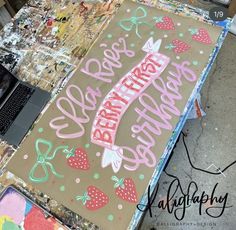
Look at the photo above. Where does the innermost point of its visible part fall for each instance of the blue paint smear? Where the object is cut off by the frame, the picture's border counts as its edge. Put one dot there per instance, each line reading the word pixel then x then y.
pixel 28 208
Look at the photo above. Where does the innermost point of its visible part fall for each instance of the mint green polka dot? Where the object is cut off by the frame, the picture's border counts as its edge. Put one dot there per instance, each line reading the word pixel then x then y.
pixel 195 62
pixel 181 35
pixel 40 130
pixel 96 176
pixel 132 45
pixel 87 146
pixel 109 35
pixel 152 33
pixel 110 217
pixel 62 188
pixel 141 176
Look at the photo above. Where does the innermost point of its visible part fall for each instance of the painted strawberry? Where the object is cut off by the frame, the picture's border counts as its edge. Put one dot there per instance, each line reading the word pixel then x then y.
pixel 164 23
pixel 201 35
pixel 78 159
pixel 125 189
pixel 94 198
pixel 178 46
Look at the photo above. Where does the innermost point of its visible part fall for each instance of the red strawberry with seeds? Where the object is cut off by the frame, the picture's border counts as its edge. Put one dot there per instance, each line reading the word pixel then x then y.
pixel 178 46
pixel 94 198
pixel 201 35
pixel 164 23
pixel 79 159
pixel 125 189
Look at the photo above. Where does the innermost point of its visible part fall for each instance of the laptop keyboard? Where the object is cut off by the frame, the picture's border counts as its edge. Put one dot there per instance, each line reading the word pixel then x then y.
pixel 13 106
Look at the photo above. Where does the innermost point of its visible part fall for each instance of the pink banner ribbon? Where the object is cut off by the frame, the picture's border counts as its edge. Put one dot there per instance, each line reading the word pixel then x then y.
pixel 123 94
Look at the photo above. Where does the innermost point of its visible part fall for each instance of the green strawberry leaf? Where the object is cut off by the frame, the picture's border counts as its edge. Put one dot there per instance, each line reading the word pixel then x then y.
pixel 119 182
pixel 158 19
pixel 84 198
pixel 193 31
pixel 170 47
pixel 69 153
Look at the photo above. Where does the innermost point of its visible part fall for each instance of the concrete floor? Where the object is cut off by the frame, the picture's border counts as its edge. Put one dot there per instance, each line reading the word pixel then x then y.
pixel 210 140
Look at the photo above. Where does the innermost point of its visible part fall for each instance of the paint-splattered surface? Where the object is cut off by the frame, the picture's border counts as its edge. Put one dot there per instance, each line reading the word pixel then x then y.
pixel 43 44
pixel 27 215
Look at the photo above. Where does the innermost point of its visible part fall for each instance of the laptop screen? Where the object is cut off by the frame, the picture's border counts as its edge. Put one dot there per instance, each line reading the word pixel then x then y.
pixel 7 83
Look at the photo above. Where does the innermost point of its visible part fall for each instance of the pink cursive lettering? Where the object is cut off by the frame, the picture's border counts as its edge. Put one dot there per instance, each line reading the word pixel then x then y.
pixel 153 118
pixel 103 70
pixel 83 103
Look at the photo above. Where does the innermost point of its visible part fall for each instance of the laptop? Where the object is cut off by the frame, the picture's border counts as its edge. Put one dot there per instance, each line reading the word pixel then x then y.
pixel 20 105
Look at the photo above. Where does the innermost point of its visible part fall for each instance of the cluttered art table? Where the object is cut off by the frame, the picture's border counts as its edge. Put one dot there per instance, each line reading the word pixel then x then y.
pixel 123 78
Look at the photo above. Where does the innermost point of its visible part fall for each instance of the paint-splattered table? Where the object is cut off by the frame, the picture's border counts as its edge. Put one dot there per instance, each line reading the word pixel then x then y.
pixel 44 44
